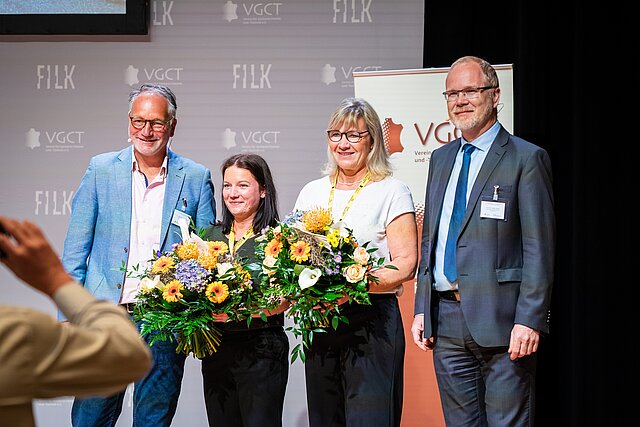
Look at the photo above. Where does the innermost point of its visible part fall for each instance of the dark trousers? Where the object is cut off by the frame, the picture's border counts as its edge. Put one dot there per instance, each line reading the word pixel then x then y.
pixel 354 375
pixel 155 397
pixel 246 379
pixel 480 386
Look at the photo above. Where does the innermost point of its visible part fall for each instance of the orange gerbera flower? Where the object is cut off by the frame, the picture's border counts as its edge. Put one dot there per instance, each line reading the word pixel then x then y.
pixel 162 265
pixel 217 292
pixel 171 292
pixel 300 251
pixel 217 248
pixel 273 248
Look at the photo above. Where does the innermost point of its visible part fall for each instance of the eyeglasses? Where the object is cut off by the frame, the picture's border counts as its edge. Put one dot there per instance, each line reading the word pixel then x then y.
pixel 156 125
pixel 468 93
pixel 352 135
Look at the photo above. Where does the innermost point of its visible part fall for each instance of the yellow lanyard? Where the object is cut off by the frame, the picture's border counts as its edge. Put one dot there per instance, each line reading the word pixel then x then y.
pixel 363 182
pixel 233 245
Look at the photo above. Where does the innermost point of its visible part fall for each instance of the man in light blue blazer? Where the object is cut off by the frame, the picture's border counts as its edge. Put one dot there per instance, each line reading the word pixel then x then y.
pixel 485 275
pixel 129 204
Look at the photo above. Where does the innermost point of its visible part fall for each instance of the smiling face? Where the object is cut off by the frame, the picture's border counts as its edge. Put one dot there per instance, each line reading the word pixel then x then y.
pixel 471 116
pixel 148 143
pixel 351 157
pixel 241 193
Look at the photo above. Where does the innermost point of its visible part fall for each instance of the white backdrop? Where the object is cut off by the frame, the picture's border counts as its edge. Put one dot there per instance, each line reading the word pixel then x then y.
pixel 249 76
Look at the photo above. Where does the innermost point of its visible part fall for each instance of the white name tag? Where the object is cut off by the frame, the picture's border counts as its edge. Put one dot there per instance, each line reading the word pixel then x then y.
pixel 493 210
pixel 180 217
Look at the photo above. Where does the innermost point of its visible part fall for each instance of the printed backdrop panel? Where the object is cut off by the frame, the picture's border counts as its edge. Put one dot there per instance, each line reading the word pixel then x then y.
pixel 248 76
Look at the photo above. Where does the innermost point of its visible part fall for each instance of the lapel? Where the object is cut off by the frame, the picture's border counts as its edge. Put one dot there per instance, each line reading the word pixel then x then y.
pixel 175 181
pixel 491 161
pixel 121 206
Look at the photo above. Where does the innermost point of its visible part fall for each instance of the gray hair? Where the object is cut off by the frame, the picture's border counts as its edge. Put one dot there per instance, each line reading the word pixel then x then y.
pixel 161 90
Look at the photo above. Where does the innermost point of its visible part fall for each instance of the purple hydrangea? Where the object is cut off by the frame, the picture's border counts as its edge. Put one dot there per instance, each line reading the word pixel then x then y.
pixel 192 275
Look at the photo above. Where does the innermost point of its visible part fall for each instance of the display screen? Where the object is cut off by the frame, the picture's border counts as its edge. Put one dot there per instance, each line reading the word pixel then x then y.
pixel 92 17
pixel 40 7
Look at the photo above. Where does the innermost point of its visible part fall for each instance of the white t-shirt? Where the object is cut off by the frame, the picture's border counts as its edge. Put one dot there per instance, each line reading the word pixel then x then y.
pixel 378 203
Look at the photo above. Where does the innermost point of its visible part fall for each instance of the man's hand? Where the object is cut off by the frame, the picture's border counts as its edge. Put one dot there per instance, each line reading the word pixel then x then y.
pixel 417 330
pixel 524 341
pixel 30 256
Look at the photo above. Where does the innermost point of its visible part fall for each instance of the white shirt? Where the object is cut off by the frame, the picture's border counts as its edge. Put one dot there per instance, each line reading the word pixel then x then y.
pixel 371 212
pixel 147 200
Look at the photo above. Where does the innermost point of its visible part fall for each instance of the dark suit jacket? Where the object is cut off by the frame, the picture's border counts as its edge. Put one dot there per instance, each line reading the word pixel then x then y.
pixel 505 267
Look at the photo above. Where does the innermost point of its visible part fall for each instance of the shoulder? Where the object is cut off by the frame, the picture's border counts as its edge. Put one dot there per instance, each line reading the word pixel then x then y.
pixel 177 160
pixel 110 157
pixel 214 233
pixel 391 185
pixel 316 184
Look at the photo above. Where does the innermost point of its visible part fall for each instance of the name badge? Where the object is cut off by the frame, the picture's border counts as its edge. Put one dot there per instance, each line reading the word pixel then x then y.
pixel 492 210
pixel 180 218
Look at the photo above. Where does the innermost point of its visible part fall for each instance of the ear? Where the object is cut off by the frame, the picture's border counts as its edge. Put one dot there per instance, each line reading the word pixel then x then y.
pixel 496 97
pixel 174 122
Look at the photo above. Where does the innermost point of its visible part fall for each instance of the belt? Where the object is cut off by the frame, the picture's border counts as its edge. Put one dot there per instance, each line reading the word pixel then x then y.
pixel 129 307
pixel 453 295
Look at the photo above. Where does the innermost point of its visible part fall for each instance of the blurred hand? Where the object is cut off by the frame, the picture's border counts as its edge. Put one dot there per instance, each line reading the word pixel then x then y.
pixel 30 256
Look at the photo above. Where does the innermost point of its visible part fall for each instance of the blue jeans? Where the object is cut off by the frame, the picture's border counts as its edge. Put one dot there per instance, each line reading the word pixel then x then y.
pixel 155 397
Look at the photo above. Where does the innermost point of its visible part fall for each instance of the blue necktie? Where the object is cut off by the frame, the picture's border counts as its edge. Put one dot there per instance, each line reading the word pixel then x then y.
pixel 459 206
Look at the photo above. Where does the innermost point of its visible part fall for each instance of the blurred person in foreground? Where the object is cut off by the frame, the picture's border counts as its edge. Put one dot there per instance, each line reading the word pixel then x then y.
pixel 485 275
pixel 246 378
pixel 354 375
pixel 98 352
pixel 129 204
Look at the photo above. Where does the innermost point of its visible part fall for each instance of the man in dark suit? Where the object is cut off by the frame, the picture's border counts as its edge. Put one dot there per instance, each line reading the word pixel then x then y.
pixel 486 271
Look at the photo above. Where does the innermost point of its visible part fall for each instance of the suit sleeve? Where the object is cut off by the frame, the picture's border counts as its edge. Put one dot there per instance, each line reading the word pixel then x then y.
pixel 206 214
pixel 80 233
pixel 98 353
pixel 535 204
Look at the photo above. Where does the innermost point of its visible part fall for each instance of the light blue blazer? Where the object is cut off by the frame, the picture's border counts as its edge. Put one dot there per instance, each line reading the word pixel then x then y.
pixel 505 266
pixel 97 241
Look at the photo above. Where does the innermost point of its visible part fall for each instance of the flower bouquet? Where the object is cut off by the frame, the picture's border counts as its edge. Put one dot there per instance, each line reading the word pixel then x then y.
pixel 313 262
pixel 180 289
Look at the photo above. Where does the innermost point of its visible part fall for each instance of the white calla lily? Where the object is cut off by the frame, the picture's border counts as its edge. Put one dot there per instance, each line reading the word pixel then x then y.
pixel 308 277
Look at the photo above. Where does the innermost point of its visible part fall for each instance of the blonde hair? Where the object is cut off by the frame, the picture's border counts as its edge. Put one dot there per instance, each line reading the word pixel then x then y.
pixel 348 113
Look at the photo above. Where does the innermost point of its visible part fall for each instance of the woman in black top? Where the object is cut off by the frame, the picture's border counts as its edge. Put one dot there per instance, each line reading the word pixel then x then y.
pixel 245 380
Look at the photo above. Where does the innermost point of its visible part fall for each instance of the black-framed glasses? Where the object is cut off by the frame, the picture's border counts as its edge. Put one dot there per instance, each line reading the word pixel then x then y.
pixel 352 135
pixel 468 93
pixel 156 124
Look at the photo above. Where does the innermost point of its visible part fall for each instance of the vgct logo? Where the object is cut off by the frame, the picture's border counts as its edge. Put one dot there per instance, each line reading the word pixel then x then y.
pixel 53 202
pixel 54 140
pixel 251 140
pixel 254 13
pixel 57 77
pixel 251 76
pixel 165 75
pixel 351 11
pixel 161 13
pixel 344 73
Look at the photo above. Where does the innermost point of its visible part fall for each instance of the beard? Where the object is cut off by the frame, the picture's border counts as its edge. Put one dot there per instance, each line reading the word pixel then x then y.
pixel 480 116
